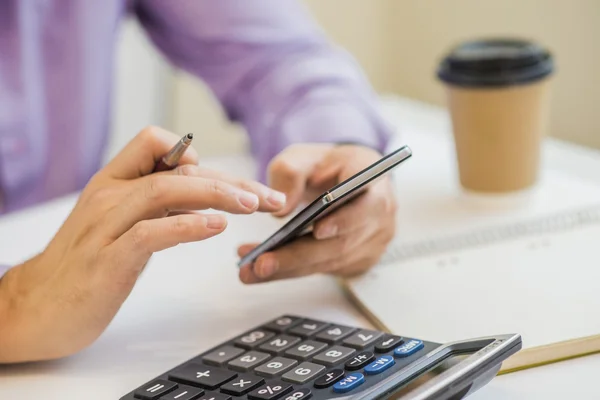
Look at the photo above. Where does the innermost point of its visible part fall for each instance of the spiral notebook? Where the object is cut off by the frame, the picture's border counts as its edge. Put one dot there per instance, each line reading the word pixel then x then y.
pixel 471 265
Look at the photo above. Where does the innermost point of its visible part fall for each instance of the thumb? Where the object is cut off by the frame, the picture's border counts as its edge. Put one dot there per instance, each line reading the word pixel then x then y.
pixel 290 170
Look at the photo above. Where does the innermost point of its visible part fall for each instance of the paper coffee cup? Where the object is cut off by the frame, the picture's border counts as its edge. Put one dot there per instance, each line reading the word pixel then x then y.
pixel 498 98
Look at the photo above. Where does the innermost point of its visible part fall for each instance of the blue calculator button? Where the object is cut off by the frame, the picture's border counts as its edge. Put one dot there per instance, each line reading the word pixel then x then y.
pixel 379 365
pixel 408 348
pixel 350 382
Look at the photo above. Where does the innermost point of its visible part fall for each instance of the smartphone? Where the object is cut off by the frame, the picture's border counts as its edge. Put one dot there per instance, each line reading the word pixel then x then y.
pixel 342 193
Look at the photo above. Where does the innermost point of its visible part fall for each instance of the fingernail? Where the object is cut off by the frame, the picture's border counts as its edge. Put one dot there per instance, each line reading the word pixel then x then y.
pixel 266 267
pixel 327 231
pixel 276 198
pixel 215 222
pixel 249 200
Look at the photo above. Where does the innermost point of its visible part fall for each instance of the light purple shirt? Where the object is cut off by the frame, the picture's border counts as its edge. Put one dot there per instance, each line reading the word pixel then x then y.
pixel 266 61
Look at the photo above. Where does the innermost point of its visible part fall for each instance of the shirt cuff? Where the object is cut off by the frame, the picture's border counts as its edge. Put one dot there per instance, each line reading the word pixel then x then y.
pixel 335 122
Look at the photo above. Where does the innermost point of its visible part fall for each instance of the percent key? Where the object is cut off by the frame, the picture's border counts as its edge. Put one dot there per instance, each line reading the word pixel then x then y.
pixel 270 391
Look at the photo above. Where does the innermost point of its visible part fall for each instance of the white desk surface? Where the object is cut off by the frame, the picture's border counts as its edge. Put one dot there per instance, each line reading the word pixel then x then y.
pixel 190 299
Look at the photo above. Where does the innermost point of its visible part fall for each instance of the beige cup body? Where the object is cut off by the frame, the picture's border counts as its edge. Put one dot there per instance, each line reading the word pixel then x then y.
pixel 498 134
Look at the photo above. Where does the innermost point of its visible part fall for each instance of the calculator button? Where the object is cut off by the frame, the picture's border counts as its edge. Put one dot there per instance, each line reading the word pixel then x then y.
pixel 350 382
pixel 251 339
pixel 299 394
pixel 388 343
pixel 307 328
pixel 276 366
pixel 303 372
pixel 155 389
pixel 248 360
pixel 359 361
pixel 362 339
pixel 379 365
pixel 203 376
pixel 329 378
pixel 184 393
pixel 242 385
pixel 334 355
pixel 334 333
pixel 305 349
pixel 222 355
pixel 283 323
pixel 270 391
pixel 409 348
pixel 279 344
pixel 214 396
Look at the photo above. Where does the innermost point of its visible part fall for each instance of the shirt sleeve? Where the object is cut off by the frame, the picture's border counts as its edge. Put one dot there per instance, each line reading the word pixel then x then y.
pixel 3 270
pixel 271 68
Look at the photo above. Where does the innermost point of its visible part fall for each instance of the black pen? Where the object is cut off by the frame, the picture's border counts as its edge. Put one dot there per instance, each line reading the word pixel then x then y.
pixel 171 159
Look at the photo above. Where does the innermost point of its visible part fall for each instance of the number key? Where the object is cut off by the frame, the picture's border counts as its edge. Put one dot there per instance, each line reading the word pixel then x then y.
pixel 306 349
pixel 334 355
pixel 248 360
pixel 276 366
pixel 283 323
pixel 303 372
pixel 254 338
pixel 362 339
pixel 299 394
pixel 307 328
pixel 279 344
pixel 334 333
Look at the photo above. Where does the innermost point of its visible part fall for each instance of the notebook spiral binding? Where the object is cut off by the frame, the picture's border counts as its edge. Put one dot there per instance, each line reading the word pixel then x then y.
pixel 553 223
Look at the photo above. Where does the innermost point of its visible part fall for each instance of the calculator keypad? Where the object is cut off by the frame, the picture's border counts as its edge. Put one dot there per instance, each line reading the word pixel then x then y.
pixel 254 338
pixel 222 355
pixel 362 339
pixel 334 333
pixel 288 358
pixel 184 393
pixel 202 376
pixel 307 328
pixel 305 350
pixel 334 355
pixel 248 361
pixel 276 366
pixel 303 372
pixel 279 344
pixel 242 384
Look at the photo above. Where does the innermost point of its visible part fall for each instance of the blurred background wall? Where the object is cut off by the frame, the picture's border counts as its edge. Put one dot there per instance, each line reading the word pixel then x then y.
pixel 398 43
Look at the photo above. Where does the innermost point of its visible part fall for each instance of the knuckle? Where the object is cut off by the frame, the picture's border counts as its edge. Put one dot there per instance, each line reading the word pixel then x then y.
pixel 149 133
pixel 186 170
pixel 344 245
pixel 183 225
pixel 155 188
pixel 140 234
pixel 282 167
pixel 215 187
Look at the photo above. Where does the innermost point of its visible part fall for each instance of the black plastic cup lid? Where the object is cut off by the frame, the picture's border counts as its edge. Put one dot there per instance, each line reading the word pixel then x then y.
pixel 495 62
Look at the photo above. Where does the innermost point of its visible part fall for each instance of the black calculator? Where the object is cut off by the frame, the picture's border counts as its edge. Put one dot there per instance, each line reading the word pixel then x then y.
pixel 295 358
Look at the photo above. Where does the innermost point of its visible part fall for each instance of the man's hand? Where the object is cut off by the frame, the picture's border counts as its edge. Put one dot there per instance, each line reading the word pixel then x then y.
pixel 346 242
pixel 59 302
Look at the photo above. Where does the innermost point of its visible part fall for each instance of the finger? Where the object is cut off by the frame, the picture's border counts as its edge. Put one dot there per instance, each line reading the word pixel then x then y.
pixel 304 253
pixel 157 195
pixel 289 171
pixel 141 154
pixel 358 214
pixel 136 245
pixel 269 200
pixel 345 265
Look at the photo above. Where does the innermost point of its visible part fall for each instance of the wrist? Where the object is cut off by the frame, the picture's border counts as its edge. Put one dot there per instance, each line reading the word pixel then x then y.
pixel 14 320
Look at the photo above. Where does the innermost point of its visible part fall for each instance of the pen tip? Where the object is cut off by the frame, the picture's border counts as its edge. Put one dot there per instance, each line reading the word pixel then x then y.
pixel 190 136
